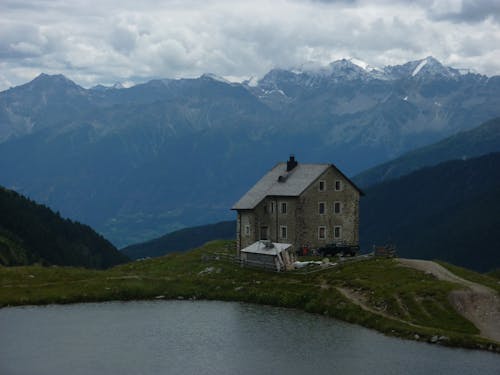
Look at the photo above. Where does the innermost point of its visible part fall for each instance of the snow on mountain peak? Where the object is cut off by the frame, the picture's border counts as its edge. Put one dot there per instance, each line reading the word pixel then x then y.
pixel 419 67
pixel 215 77
pixel 363 65
pixel 118 86
pixel 433 67
pixel 252 81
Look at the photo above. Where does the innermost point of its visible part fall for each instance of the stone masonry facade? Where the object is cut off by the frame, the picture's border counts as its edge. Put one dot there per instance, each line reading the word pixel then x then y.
pixel 327 211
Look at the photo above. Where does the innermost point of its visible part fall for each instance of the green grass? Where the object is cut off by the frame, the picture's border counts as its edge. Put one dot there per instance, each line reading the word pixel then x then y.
pixel 413 302
pixel 491 280
pixel 495 274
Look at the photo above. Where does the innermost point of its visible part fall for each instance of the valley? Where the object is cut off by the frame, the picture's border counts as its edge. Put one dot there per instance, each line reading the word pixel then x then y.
pixel 167 154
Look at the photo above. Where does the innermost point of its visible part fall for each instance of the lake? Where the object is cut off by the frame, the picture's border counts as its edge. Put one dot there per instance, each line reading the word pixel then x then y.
pixel 204 337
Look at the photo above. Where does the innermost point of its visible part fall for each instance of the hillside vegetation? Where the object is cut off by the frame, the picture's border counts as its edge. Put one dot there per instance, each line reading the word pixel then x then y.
pixel 447 212
pixel 32 233
pixel 181 240
pixel 464 145
pixel 403 302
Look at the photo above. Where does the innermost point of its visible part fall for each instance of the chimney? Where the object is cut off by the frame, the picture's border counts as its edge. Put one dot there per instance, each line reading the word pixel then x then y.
pixel 291 163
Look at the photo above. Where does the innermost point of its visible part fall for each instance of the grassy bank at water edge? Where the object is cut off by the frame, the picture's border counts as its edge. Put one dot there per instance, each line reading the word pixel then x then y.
pixel 396 300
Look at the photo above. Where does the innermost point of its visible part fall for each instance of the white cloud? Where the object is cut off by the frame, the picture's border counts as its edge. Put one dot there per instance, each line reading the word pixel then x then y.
pixel 110 40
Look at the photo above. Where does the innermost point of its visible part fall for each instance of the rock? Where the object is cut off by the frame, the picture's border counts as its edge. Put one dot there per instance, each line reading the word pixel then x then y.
pixel 238 288
pixel 180 297
pixel 207 270
pixel 160 297
pixel 416 336
pixel 434 339
pixel 443 338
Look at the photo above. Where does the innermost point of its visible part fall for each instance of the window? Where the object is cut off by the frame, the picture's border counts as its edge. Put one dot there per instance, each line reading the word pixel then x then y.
pixel 283 207
pixel 247 230
pixel 321 208
pixel 338 185
pixel 337 207
pixel 263 233
pixel 272 207
pixel 322 185
pixel 283 232
pixel 337 232
pixel 321 233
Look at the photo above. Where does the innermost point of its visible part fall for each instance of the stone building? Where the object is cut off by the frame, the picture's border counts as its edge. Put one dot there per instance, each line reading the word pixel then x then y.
pixel 306 205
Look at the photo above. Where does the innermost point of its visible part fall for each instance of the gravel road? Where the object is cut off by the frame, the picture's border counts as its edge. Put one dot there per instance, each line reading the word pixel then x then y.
pixel 476 302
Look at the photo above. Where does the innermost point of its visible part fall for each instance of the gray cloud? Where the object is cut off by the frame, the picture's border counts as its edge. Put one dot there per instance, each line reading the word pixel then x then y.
pixel 110 40
pixel 470 11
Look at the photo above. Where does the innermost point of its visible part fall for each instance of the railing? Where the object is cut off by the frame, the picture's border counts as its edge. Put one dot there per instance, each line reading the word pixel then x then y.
pixel 233 258
pixel 217 256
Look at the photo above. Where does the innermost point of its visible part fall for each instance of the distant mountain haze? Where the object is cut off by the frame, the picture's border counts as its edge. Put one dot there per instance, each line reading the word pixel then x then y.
pixel 464 145
pixel 138 162
pixel 181 240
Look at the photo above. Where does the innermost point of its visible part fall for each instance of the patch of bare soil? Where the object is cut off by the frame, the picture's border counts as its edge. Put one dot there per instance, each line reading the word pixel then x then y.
pixel 476 302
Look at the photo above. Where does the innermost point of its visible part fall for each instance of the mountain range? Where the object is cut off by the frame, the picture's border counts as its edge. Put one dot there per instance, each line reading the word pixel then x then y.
pixel 138 162
pixel 464 145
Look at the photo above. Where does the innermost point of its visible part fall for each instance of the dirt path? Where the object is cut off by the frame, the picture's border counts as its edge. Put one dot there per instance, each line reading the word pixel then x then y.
pixel 361 300
pixel 476 302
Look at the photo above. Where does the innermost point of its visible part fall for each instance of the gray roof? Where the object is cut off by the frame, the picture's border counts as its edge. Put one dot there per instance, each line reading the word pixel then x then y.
pixel 292 183
pixel 259 247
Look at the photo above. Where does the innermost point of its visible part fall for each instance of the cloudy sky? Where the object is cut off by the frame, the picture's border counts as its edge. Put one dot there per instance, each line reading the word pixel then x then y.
pixel 107 41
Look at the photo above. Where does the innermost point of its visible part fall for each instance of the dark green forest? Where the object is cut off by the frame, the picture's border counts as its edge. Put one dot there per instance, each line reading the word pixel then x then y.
pixel 448 212
pixel 33 233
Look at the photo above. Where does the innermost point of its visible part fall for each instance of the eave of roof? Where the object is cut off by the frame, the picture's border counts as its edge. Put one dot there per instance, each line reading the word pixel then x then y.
pixel 361 192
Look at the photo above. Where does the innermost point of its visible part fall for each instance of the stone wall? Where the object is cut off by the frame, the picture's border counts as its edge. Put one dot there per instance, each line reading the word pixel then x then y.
pixel 310 220
pixel 300 224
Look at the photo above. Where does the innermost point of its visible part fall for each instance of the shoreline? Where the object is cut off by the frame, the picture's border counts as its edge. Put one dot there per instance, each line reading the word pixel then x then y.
pixel 431 340
pixel 189 276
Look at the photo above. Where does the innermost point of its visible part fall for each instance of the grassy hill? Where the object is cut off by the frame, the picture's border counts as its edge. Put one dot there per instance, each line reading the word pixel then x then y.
pixel 447 212
pixel 464 145
pixel 32 233
pixel 181 240
pixel 403 302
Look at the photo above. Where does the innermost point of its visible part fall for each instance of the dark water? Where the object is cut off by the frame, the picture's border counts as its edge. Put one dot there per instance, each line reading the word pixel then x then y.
pixel 177 337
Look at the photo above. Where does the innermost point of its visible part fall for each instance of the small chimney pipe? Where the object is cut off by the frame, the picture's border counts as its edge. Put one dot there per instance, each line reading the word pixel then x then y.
pixel 291 163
